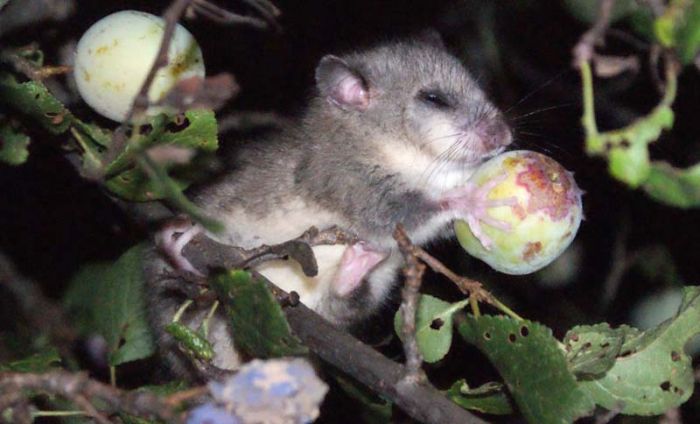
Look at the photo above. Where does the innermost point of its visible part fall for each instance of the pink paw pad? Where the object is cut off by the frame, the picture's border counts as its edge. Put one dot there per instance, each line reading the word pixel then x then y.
pixel 472 204
pixel 171 244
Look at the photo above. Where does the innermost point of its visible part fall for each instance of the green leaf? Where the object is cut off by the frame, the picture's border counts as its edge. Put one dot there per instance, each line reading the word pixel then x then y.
pixel 653 373
pixel 627 148
pixel 688 34
pixel 642 22
pixel 256 319
pixel 489 398
pixel 13 144
pixel 191 341
pixel 39 362
pixel 592 350
pixel 129 181
pixel 133 419
pixel 532 365
pixel 107 299
pixel 433 326
pixel 630 164
pixel 166 389
pixel 679 28
pixel 33 99
pixel 587 11
pixel 97 135
pixel 674 187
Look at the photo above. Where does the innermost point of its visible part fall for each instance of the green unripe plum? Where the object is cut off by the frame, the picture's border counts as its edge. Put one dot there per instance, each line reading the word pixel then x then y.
pixel 115 54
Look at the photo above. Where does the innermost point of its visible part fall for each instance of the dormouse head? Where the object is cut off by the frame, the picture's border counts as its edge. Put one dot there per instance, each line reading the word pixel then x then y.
pixel 413 92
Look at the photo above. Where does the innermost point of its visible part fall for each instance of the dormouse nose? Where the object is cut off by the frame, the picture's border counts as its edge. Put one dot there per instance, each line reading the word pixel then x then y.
pixel 493 132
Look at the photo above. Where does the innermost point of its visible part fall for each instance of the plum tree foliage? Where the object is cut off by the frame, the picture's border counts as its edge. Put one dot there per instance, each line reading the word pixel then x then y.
pixel 542 377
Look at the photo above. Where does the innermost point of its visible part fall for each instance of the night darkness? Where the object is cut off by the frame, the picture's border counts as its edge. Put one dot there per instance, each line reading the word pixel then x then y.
pixel 52 221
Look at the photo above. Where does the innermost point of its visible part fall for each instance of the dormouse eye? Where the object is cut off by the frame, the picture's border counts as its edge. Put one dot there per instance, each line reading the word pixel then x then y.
pixel 435 98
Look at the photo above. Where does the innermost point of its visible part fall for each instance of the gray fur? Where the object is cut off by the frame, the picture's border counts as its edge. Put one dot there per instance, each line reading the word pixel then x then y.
pixel 330 159
pixel 365 169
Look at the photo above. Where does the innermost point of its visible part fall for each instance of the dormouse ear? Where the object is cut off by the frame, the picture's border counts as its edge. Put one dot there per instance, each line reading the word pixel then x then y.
pixel 341 85
pixel 431 37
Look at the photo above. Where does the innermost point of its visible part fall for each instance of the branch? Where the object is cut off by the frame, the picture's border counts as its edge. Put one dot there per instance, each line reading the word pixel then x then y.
pixel 585 48
pixel 19 14
pixel 382 375
pixel 51 320
pixel 83 391
pixel 171 16
pixel 225 17
pixel 410 294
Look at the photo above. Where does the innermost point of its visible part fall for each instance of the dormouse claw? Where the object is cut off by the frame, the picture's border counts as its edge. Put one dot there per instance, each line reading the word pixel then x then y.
pixel 471 203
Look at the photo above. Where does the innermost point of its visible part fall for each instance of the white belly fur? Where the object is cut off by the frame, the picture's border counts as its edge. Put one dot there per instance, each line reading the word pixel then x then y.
pixel 288 276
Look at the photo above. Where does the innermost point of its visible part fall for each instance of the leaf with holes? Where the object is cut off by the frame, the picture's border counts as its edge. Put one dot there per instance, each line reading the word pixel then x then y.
pixel 107 299
pixel 197 132
pixel 591 350
pixel 33 99
pixel 652 373
pixel 490 398
pixel 628 154
pixel 13 144
pixel 531 363
pixel 433 326
pixel 257 320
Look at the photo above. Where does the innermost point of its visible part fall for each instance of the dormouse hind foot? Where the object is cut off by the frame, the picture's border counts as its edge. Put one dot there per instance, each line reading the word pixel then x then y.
pixel 357 261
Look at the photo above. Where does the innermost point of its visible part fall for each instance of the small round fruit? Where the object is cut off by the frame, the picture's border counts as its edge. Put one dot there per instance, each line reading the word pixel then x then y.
pixel 543 222
pixel 114 56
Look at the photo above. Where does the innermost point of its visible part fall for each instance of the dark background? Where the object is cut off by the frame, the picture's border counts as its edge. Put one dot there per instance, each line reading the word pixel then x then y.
pixel 52 221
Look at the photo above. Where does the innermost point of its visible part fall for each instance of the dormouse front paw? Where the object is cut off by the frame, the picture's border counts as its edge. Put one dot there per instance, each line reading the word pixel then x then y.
pixel 173 237
pixel 472 203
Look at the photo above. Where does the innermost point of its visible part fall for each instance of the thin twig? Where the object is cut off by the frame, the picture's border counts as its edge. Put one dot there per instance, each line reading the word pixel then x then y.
pixel 177 398
pixel 656 6
pixel 83 391
pixel 466 285
pixel 171 16
pixel 225 17
pixel 584 50
pixel 311 237
pixel 82 402
pixel 337 347
pixel 20 14
pixel 30 298
pixel 410 294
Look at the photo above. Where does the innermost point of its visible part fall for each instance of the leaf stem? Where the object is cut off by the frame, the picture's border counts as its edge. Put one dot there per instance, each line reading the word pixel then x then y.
pixel 207 320
pixel 113 376
pixel 505 309
pixel 37 414
pixel 475 306
pixel 588 119
pixel 181 310
pixel 173 193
